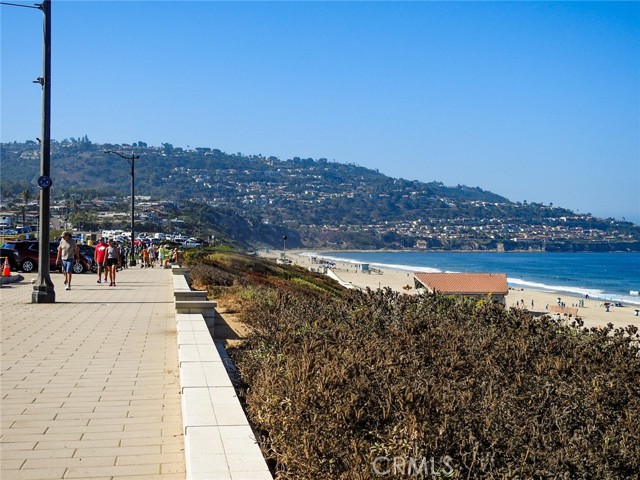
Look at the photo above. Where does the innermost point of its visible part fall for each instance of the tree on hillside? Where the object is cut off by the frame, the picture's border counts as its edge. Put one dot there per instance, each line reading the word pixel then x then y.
pixel 26 197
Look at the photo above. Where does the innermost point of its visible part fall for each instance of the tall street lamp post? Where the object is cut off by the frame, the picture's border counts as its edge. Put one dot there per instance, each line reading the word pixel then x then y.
pixel 284 248
pixel 131 159
pixel 43 291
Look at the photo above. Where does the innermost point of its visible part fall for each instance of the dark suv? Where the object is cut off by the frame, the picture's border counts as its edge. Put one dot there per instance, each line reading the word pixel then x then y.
pixel 12 256
pixel 28 256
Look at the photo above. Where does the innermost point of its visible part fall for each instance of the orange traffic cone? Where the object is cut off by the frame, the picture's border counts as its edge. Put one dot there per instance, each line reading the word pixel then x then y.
pixel 6 271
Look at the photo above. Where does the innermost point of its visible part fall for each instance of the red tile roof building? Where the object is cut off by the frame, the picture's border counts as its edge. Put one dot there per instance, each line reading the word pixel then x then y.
pixel 465 284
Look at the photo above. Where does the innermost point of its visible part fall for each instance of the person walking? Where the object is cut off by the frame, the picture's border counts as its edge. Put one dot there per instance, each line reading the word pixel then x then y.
pixel 153 252
pixel 161 255
pixel 68 252
pixel 145 257
pixel 98 257
pixel 111 261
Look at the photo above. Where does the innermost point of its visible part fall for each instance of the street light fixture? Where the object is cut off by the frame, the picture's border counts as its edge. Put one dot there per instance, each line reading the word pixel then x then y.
pixel 131 159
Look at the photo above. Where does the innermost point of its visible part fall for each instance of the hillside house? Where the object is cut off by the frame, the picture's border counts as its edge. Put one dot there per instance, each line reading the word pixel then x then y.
pixel 474 285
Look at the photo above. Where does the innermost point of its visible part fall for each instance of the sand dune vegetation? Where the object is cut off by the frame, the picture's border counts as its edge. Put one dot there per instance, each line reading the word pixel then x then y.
pixel 364 385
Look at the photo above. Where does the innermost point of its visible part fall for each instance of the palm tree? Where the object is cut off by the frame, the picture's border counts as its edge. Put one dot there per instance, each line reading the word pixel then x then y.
pixel 26 196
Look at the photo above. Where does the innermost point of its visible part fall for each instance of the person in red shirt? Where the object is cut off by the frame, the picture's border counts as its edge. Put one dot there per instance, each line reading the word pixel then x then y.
pixel 101 249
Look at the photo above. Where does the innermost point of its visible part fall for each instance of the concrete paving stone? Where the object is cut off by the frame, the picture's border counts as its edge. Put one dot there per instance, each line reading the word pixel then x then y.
pixel 144 420
pixel 172 447
pixel 90 415
pixel 203 441
pixel 150 459
pixel 193 326
pixel 43 417
pixel 26 454
pixel 175 467
pixel 200 411
pixel 26 430
pixel 130 408
pixel 131 427
pixel 85 396
pixel 57 408
pixel 35 473
pixel 5 447
pixel 29 422
pixel 11 465
pixel 17 396
pixel 227 408
pixel 175 431
pixel 5 424
pixel 246 462
pixel 82 443
pixel 13 378
pixel 12 436
pixel 12 410
pixel 209 463
pixel 151 436
pixel 104 478
pixel 129 398
pixel 122 470
pixel 64 427
pixel 219 475
pixel 69 462
pixel 161 476
pixel 190 337
pixel 110 403
pixel 117 451
pixel 148 439
pixel 198 353
pixel 204 374
pixel 47 402
pixel 251 475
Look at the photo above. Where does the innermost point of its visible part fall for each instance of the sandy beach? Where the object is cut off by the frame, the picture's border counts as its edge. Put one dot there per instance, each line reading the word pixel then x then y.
pixel 593 312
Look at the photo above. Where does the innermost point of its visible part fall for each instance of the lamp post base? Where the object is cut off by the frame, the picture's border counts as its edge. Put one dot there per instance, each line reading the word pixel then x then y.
pixel 43 294
pixel 132 263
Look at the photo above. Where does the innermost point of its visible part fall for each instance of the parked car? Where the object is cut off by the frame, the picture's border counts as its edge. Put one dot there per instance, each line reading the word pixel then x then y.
pixel 12 256
pixel 28 257
pixel 89 252
pixel 193 242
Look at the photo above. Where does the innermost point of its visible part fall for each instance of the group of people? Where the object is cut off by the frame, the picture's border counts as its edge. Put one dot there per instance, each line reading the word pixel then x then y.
pixel 109 256
pixel 161 255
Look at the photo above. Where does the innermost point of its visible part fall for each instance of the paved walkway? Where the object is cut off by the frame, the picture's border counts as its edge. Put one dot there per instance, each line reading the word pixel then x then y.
pixel 89 386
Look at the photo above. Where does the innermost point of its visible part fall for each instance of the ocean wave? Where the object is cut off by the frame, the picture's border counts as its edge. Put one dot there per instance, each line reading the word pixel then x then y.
pixel 391 266
pixel 579 291
pixel 593 293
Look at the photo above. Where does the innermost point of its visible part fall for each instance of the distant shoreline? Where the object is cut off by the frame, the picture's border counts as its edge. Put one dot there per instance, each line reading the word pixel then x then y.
pixel 538 301
pixel 419 250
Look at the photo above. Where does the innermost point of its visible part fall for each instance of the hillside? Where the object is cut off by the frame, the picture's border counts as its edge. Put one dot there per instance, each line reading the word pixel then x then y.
pixel 316 203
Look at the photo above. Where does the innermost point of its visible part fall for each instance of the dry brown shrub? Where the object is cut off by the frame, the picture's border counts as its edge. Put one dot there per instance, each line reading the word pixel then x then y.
pixel 472 389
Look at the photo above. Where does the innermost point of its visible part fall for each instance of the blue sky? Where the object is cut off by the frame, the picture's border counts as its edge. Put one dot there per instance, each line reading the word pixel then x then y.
pixel 536 101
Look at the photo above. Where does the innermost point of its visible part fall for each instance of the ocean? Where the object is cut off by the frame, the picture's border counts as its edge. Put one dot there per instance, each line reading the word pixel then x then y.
pixel 606 276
